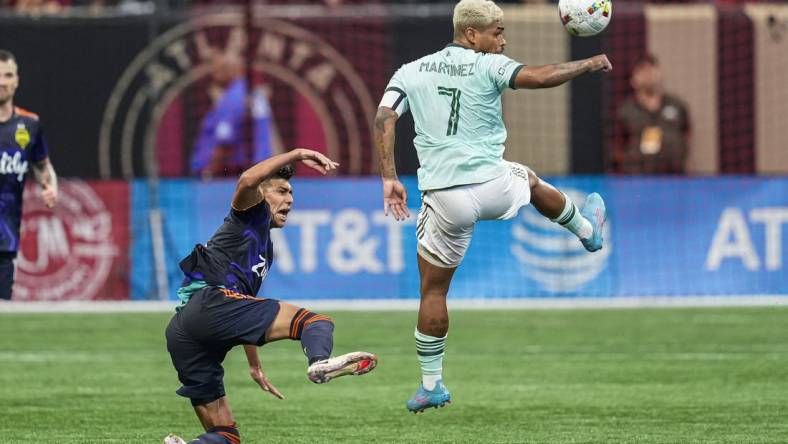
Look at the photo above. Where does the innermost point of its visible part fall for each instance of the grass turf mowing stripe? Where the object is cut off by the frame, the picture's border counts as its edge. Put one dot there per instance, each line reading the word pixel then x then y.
pixel 647 376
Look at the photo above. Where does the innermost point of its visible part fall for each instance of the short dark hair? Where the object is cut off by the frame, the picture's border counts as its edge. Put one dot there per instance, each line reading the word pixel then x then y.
pixel 647 59
pixel 286 172
pixel 7 56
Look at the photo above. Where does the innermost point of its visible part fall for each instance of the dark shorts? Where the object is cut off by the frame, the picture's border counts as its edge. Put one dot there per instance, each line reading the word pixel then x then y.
pixel 6 274
pixel 209 325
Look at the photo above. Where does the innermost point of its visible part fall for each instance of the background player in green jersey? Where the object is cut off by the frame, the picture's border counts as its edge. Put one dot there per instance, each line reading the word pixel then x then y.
pixel 455 97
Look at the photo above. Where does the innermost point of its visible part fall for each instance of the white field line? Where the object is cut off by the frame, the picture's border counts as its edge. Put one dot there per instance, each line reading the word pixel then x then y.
pixel 413 304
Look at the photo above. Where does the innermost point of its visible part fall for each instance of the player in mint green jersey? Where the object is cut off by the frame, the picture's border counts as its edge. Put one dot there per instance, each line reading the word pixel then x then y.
pixel 455 98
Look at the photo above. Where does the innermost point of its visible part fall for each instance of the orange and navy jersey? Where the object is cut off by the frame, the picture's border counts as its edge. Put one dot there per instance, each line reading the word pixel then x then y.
pixel 238 255
pixel 21 142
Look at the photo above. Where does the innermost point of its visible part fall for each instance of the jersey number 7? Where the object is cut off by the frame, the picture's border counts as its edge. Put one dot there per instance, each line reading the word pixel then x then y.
pixel 454 116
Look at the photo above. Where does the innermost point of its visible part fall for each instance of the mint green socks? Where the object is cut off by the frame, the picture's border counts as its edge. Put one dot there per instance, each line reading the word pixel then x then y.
pixel 572 220
pixel 430 350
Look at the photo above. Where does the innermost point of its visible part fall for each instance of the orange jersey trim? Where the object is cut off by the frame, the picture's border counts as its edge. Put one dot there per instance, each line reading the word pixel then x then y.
pixel 235 295
pixel 25 113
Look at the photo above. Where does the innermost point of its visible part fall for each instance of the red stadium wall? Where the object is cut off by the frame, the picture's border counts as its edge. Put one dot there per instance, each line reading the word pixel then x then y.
pixel 78 250
pixel 141 100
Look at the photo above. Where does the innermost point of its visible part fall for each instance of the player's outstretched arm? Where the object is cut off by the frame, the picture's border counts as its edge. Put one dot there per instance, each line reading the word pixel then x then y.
pixel 45 175
pixel 256 371
pixel 395 197
pixel 247 194
pixel 549 76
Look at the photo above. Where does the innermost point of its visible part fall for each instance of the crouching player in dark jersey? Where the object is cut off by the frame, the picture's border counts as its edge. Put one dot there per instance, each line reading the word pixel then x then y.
pixel 219 311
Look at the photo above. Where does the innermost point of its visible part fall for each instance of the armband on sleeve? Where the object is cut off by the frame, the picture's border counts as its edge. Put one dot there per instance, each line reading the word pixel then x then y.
pixel 396 99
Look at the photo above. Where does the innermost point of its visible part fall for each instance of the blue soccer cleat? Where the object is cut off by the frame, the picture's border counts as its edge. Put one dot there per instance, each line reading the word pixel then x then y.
pixel 424 399
pixel 594 210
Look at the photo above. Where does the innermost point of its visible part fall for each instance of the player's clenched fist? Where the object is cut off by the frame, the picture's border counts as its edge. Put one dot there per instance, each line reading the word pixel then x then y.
pixel 600 63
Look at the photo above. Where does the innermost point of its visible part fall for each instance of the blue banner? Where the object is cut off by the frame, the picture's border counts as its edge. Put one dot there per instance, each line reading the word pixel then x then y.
pixel 664 237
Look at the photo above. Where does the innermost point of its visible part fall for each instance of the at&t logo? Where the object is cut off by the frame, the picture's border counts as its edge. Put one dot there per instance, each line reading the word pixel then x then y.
pixel 552 256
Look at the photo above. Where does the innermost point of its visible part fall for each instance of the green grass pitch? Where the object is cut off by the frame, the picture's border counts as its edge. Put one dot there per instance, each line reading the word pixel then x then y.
pixel 576 376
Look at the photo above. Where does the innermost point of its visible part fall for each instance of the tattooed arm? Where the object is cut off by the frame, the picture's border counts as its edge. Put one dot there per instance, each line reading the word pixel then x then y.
pixel 549 76
pixel 395 197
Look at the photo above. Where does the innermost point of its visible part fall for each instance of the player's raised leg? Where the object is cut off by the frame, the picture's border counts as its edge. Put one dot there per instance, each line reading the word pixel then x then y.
pixel 316 333
pixel 587 225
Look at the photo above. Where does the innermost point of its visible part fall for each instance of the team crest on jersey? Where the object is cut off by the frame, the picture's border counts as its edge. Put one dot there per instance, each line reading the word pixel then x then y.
pixel 22 136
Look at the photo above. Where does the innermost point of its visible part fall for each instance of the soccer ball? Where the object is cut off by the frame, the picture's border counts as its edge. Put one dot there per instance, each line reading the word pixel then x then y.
pixel 585 18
